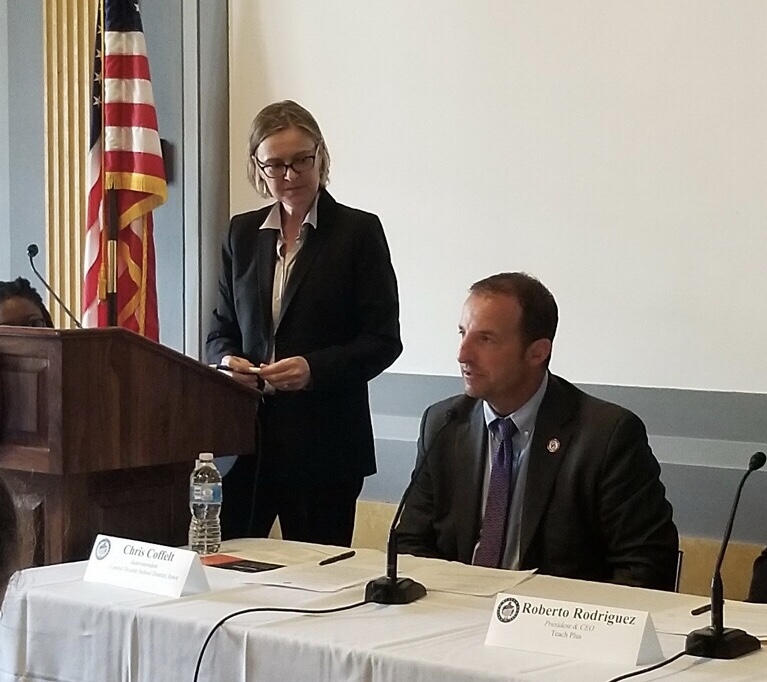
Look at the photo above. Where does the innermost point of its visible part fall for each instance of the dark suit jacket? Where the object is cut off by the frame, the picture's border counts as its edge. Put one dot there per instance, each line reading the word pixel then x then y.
pixel 340 312
pixel 595 509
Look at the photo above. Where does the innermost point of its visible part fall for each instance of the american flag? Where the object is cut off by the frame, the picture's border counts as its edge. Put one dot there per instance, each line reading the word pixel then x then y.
pixel 124 155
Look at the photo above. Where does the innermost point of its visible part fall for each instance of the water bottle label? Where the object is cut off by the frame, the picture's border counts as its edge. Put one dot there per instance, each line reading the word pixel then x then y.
pixel 205 493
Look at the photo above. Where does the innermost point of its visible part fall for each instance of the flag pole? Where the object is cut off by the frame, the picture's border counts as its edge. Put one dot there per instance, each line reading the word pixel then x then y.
pixel 128 180
pixel 113 227
pixel 110 211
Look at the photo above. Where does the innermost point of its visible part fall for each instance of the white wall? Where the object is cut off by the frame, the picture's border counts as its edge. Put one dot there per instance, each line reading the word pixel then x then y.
pixel 616 149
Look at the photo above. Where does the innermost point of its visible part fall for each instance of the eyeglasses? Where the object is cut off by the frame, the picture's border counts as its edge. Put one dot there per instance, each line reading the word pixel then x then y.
pixel 279 169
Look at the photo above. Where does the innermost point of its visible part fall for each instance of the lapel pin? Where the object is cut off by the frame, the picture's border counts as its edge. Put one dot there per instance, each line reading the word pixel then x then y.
pixel 553 445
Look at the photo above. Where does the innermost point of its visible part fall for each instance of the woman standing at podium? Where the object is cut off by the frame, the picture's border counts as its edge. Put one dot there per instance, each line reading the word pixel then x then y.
pixel 21 305
pixel 308 298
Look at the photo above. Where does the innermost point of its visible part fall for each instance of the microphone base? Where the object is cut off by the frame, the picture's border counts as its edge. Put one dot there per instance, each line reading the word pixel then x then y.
pixel 728 644
pixel 400 591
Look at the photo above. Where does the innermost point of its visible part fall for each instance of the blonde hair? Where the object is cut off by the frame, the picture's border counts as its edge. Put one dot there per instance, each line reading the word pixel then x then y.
pixel 280 116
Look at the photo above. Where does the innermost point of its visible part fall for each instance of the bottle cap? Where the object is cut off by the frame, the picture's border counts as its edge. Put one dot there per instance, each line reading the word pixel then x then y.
pixel 206 457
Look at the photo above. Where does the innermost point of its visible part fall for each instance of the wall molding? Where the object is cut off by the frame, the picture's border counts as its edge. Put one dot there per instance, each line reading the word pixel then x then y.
pixel 702 439
pixel 69 34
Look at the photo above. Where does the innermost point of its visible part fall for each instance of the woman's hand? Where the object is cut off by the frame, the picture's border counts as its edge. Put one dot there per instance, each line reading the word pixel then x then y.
pixel 241 370
pixel 288 374
pixel 237 364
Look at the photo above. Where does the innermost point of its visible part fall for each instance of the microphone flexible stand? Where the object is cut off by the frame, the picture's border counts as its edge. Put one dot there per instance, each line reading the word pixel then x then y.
pixel 716 641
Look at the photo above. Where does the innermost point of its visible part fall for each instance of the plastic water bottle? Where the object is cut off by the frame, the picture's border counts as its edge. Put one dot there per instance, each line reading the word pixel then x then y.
pixel 205 505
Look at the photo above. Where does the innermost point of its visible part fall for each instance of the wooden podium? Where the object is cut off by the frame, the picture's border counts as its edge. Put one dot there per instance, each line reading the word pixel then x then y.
pixel 99 430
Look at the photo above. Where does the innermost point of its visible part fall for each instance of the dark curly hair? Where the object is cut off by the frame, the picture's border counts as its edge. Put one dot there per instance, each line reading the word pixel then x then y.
pixel 21 288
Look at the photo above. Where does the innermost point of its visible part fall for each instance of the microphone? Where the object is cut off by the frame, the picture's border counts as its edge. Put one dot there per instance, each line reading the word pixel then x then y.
pixel 390 589
pixel 32 251
pixel 716 641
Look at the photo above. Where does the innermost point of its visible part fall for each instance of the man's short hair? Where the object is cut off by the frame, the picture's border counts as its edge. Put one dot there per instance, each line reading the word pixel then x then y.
pixel 539 309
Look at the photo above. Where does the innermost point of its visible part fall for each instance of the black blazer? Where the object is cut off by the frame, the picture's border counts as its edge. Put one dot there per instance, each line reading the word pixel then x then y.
pixel 340 312
pixel 594 509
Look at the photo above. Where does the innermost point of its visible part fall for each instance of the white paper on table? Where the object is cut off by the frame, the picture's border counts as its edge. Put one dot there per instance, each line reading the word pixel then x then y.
pixel 315 578
pixel 749 617
pixel 226 578
pixel 273 551
pixel 452 576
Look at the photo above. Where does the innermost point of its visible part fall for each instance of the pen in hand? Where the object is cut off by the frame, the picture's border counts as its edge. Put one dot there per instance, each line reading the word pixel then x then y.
pixel 338 557
pixel 227 368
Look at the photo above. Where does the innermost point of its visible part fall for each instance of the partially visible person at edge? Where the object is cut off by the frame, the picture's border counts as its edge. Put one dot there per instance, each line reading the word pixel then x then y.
pixel 307 294
pixel 9 539
pixel 21 305
pixel 527 471
pixel 758 590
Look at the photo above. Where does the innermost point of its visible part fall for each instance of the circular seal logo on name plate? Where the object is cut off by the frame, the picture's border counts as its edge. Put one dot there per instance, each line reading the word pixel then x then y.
pixel 102 549
pixel 508 610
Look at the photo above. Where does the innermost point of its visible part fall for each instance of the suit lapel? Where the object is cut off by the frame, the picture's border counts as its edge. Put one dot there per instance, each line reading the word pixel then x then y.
pixel 553 431
pixel 315 240
pixel 471 451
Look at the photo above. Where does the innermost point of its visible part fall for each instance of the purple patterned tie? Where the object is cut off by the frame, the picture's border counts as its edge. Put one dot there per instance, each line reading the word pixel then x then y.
pixel 493 536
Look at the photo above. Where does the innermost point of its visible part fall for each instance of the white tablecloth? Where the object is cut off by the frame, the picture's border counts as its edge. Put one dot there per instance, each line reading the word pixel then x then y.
pixel 55 627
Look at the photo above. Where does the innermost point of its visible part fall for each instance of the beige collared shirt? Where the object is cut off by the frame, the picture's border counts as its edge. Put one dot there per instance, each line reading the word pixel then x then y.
pixel 284 263
pixel 286 257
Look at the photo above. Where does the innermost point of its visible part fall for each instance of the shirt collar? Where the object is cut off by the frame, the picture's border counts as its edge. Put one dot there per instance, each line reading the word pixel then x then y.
pixel 311 216
pixel 524 417
pixel 274 219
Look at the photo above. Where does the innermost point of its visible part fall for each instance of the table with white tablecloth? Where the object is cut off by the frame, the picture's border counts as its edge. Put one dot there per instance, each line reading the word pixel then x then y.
pixel 58 628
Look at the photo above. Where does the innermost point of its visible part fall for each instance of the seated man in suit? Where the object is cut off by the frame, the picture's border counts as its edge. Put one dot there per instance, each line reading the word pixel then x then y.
pixel 758 591
pixel 527 471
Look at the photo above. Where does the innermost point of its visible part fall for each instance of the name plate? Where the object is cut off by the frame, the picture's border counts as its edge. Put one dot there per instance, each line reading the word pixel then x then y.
pixel 575 630
pixel 167 571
